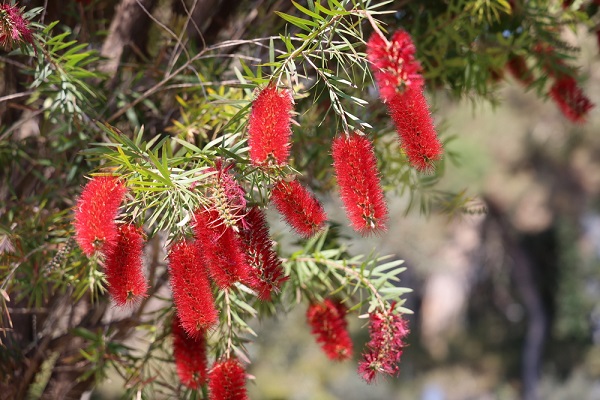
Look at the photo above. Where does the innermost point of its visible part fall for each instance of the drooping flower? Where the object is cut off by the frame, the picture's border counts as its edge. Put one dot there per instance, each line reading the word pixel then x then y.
pixel 266 273
pixel 96 211
pixel 14 29
pixel 517 66
pixel 192 293
pixel 300 209
pixel 221 248
pixel 410 113
pixel 571 100
pixel 329 326
pixel 190 356
pixel 397 73
pixel 227 381
pixel 269 127
pixel 394 64
pixel 355 167
pixel 387 332
pixel 124 268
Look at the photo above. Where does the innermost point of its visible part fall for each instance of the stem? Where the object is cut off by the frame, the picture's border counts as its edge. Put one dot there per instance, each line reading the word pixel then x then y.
pixel 229 325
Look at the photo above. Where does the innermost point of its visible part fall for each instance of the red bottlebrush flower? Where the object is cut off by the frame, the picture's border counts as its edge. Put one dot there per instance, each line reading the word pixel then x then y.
pixel 571 100
pixel 330 328
pixel 410 113
pixel 301 210
pixel 360 188
pixel 13 27
pixel 266 273
pixel 227 381
pixel 192 293
pixel 387 331
pixel 394 64
pixel 269 127
pixel 221 249
pixel 190 356
pixel 96 211
pixel 227 196
pixel 517 66
pixel 124 268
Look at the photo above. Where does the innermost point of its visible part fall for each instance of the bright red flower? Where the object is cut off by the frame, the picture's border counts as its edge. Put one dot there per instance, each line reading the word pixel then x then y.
pixel 124 268
pixel 301 210
pixel 571 100
pixel 410 113
pixel 519 69
pixel 227 381
pixel 387 331
pixel 96 211
pixel 190 356
pixel 192 293
pixel 269 127
pixel 360 188
pixel 328 323
pixel 221 249
pixel 13 27
pixel 394 64
pixel 266 273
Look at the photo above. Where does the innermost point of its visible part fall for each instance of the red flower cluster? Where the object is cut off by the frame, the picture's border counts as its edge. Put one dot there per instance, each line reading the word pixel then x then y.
pixel 266 273
pixel 387 331
pixel 569 97
pixel 227 381
pixel 96 211
pixel 301 210
pixel 360 188
pixel 328 323
pixel 395 66
pixel 221 249
pixel 13 27
pixel 124 268
pixel 190 356
pixel 269 127
pixel 192 293
pixel 571 100
pixel 410 114
pixel 401 86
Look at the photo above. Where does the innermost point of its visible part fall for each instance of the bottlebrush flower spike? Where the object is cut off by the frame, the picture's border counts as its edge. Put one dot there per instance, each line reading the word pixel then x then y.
pixel 301 210
pixel 124 268
pixel 227 195
pixel 266 273
pixel 394 64
pixel 192 293
pixel 518 68
pixel 410 113
pixel 190 356
pixel 387 331
pixel 329 326
pixel 269 127
pixel 14 28
pixel 571 100
pixel 227 381
pixel 221 249
pixel 355 167
pixel 95 213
